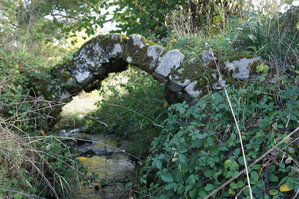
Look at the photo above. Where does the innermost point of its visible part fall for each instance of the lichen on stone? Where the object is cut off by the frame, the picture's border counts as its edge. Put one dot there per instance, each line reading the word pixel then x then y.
pixel 138 41
pixel 208 58
pixel 117 50
pixel 220 84
pixel 177 85
pixel 154 52
pixel 172 59
pixel 192 91
pixel 240 68
pixel 129 59
pixel 194 71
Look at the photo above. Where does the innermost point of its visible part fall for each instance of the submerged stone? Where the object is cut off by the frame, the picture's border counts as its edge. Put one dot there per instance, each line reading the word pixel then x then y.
pixel 113 169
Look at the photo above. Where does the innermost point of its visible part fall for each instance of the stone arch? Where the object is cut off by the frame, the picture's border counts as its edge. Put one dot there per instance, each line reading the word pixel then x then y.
pixel 184 76
pixel 105 54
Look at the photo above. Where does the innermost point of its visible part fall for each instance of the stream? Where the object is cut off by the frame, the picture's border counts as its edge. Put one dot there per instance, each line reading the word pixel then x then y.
pixel 106 156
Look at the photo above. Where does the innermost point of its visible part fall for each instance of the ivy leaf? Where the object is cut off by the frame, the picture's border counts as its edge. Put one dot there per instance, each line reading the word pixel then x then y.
pixel 209 187
pixel 240 183
pixel 157 163
pixel 192 193
pixel 202 193
pixel 234 166
pixel 252 37
pixel 217 96
pixel 170 186
pixel 167 177
pixel 18 196
pixel 254 176
pixel 233 185
pixel 182 158
pixel 236 152
pixel 273 178
pixel 227 163
pixel 290 182
pixel 207 173
pixel 273 192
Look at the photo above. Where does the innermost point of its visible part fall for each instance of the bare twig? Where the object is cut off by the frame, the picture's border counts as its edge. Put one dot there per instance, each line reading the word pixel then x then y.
pixel 296 194
pixel 96 119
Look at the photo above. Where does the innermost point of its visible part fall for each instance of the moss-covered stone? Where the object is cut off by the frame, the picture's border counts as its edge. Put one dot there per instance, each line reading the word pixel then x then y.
pixel 200 77
pixel 240 68
pixel 61 72
pixel 236 56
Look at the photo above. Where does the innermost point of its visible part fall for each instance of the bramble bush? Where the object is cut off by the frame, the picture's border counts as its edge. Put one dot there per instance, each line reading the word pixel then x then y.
pixel 199 148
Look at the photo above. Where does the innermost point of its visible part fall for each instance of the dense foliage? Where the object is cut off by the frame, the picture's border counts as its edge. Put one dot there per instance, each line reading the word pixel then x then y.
pixel 156 18
pixel 53 19
pixel 199 148
pixel 275 38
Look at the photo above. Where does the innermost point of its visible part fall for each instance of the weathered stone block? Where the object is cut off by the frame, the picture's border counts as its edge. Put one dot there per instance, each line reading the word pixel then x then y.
pixel 240 68
pixel 172 59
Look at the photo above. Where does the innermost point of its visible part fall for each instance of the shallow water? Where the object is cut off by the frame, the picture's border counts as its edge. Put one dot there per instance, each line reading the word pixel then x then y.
pixel 105 156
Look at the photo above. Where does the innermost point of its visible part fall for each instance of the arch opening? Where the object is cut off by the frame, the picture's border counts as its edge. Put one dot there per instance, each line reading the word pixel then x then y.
pixel 117 133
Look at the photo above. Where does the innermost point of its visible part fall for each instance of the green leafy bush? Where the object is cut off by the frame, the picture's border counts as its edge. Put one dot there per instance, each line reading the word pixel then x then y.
pixel 155 18
pixel 199 148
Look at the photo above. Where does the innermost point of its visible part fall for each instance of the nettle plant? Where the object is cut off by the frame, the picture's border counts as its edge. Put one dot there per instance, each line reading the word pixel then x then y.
pixel 199 148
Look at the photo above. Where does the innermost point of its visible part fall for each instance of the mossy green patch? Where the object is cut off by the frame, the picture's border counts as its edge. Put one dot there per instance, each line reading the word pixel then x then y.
pixel 236 56
pixel 194 70
pixel 61 72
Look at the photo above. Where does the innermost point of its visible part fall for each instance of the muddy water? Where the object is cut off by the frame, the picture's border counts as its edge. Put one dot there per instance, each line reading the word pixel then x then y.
pixel 105 156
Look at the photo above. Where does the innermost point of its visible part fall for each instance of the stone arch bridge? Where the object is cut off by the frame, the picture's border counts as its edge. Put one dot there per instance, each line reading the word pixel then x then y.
pixel 185 77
